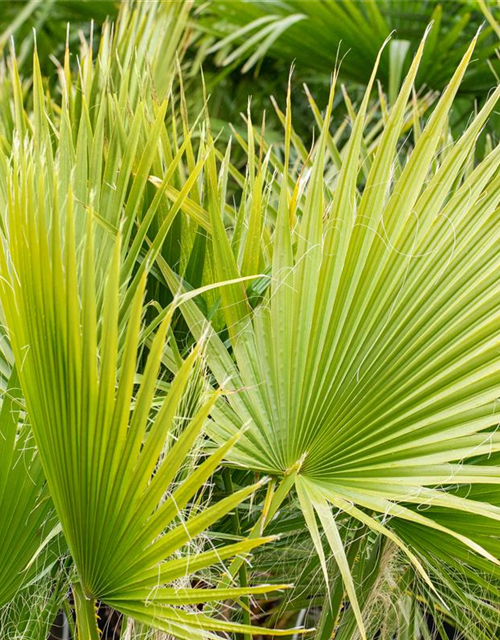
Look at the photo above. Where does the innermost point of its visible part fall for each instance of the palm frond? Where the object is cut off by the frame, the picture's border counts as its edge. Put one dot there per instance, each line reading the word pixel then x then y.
pixel 316 33
pixel 100 444
pixel 369 367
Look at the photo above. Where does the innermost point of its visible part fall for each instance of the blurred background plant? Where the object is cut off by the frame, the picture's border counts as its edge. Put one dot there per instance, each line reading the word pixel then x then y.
pixel 50 20
pixel 249 39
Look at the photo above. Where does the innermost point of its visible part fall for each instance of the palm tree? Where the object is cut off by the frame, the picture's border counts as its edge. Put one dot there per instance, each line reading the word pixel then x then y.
pixel 197 359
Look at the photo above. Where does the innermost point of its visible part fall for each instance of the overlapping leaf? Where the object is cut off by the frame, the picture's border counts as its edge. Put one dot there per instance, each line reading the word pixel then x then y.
pixel 24 503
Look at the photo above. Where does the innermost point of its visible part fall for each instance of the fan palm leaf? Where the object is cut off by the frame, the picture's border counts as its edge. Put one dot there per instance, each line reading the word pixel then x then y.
pixel 101 445
pixel 367 376
pixel 73 298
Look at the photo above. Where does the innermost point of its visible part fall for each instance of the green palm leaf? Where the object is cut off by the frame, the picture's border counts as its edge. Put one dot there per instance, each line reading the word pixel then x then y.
pixel 314 32
pixel 101 444
pixel 370 367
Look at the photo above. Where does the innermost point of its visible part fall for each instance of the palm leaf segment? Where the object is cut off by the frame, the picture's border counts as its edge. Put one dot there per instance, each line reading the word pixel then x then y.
pixel 372 363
